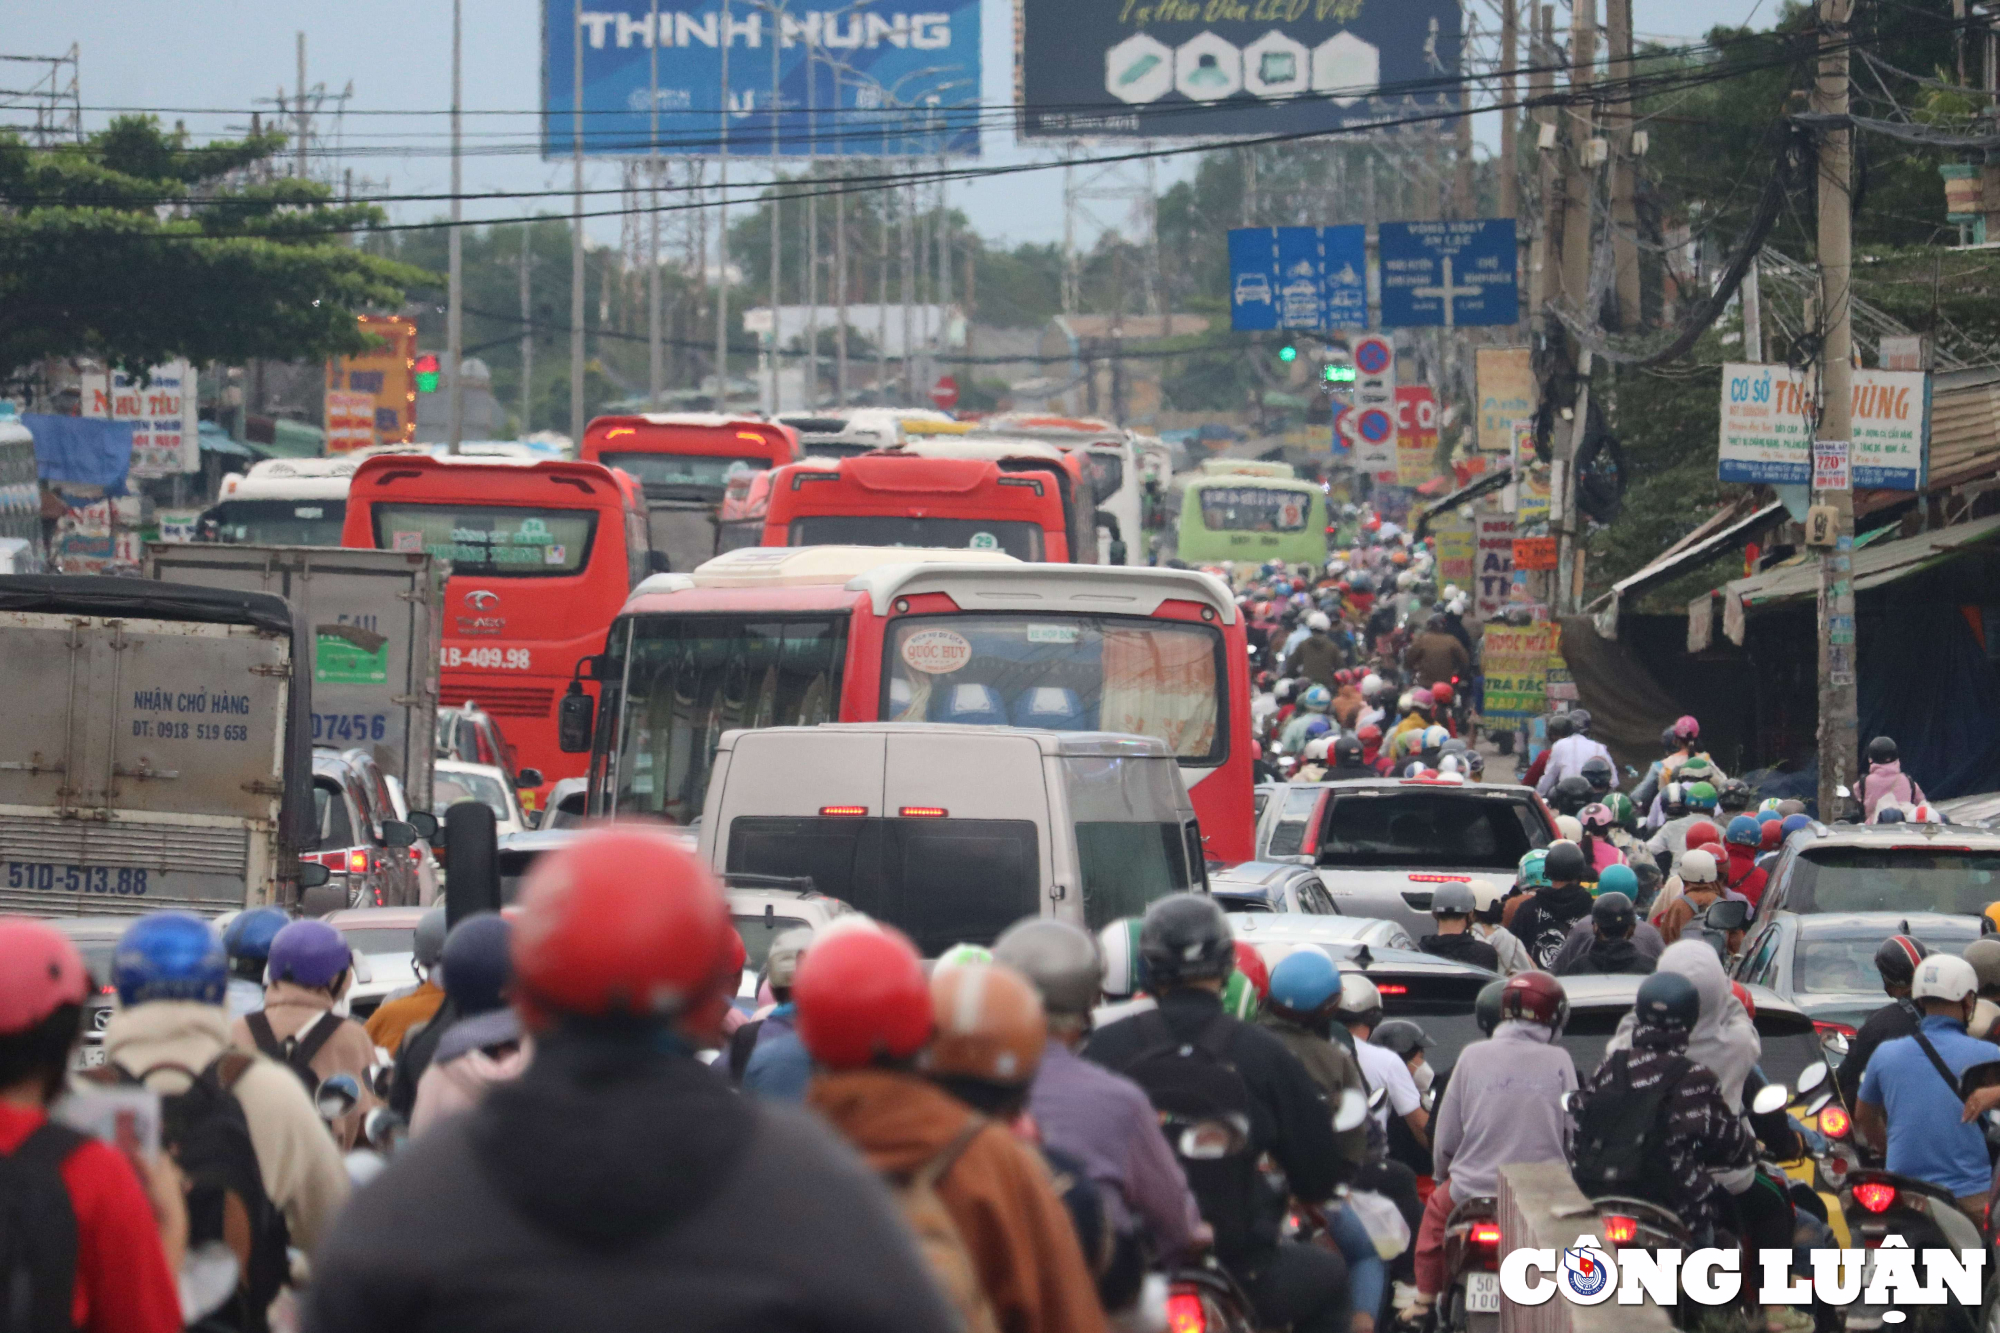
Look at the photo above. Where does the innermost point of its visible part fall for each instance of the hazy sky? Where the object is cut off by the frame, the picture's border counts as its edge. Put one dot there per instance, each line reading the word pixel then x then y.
pixel 206 61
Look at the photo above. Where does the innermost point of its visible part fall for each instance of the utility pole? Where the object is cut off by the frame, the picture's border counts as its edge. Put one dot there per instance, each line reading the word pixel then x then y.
pixel 454 334
pixel 527 330
pixel 1839 721
pixel 576 239
pixel 722 235
pixel 777 11
pixel 656 370
pixel 1752 296
pixel 1510 40
pixel 840 282
pixel 1624 174
pixel 299 111
pixel 1578 190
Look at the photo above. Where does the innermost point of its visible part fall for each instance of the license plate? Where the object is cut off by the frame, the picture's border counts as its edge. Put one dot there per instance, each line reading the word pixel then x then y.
pixel 87 1057
pixel 50 877
pixel 1482 1293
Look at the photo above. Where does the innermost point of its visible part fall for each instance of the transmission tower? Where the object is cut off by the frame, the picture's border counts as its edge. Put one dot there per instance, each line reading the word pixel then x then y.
pixel 41 101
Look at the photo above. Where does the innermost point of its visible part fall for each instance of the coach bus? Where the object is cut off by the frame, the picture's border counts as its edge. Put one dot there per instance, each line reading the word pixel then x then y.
pixel 543 554
pixel 777 636
pixel 683 461
pixel 1254 516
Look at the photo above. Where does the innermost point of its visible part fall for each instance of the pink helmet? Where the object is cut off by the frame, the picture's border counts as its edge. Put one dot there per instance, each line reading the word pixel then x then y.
pixel 40 971
pixel 1687 728
pixel 1422 698
pixel 1596 815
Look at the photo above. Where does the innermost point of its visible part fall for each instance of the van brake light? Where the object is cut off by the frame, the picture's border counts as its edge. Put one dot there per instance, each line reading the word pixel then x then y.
pixel 1442 879
pixel 923 812
pixel 842 811
pixel 1390 988
pixel 357 862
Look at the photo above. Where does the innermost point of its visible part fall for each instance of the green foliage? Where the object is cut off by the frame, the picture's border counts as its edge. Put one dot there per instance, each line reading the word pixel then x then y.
pixel 137 247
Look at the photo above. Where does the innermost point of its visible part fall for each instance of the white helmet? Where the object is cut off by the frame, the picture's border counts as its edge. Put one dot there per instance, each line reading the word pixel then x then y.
pixel 1485 893
pixel 1944 976
pixel 1568 826
pixel 1698 867
pixel 1371 685
pixel 1358 994
pixel 1318 621
pixel 1316 749
pixel 1457 605
pixel 1405 702
pixel 1450 591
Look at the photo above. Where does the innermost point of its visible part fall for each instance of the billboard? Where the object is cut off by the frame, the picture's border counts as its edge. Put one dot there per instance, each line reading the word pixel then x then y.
pixel 384 375
pixel 890 78
pixel 165 435
pixel 1506 395
pixel 1181 69
pixel 1767 427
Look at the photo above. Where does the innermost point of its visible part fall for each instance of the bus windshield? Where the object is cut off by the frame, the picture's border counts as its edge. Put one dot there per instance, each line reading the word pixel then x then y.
pixel 488 541
pixel 704 471
pixel 1021 540
pixel 1107 473
pixel 1253 509
pixel 279 522
pixel 691 678
pixel 1066 672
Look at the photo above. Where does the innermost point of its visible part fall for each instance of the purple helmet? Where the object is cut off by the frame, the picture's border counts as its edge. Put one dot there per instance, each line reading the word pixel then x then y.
pixel 309 953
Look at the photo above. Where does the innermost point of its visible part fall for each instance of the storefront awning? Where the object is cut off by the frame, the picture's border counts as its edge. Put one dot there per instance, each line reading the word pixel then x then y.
pixel 1722 533
pixel 1486 484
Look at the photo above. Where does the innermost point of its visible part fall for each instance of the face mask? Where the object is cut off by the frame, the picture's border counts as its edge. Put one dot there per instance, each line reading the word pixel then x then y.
pixel 1423 1074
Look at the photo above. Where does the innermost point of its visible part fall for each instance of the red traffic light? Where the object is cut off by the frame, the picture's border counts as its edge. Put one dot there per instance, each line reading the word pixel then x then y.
pixel 426 367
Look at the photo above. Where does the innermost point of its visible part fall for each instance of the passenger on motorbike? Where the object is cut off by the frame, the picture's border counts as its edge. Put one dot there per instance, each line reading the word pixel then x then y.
pixel 1612 949
pixel 1896 960
pixel 1568 756
pixel 765 1054
pixel 487 1045
pixel 1701 888
pixel 1452 909
pixel 1910 1098
pixel 247 941
pixel 1543 921
pixel 1502 1106
pixel 310 970
pixel 1488 903
pixel 1678 741
pixel 395 1016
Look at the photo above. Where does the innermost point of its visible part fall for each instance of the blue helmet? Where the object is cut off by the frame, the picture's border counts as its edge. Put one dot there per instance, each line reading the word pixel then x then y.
pixel 249 936
pixel 1316 699
pixel 1793 823
pixel 170 956
pixel 1744 831
pixel 477 966
pixel 1317 726
pixel 1618 878
pixel 1304 980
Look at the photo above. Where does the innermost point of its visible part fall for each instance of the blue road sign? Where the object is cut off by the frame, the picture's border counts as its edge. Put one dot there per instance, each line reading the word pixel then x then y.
pixel 1375 425
pixel 1308 278
pixel 1469 264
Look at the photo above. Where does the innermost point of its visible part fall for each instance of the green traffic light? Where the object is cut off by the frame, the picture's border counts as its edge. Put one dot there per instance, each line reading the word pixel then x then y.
pixel 1288 353
pixel 1338 374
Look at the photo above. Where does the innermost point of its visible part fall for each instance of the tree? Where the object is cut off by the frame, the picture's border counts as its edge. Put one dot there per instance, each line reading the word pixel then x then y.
pixel 136 247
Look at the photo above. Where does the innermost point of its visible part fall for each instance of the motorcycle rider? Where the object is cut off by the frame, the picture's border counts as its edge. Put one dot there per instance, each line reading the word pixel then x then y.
pixel 1348 760
pixel 487 1045
pixel 1742 841
pixel 1452 909
pixel 1598 823
pixel 395 1016
pixel 764 1054
pixel 1583 937
pixel 1886 779
pixel 1488 902
pixel 1314 700
pixel 1543 921
pixel 311 967
pixel 1678 743
pixel 1568 755
pixel 619 1182
pixel 1558 729
pixel 1360 1012
pixel 1569 797
pixel 1654 1084
pixel 1701 887
pixel 1316 657
pixel 1435 656
pixel 247 941
pixel 1502 1106
pixel 1187 949
pixel 1612 950
pixel 1099 1119
pixel 1910 1103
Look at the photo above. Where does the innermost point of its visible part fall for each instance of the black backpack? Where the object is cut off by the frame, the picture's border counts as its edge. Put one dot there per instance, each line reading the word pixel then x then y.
pixel 1621 1134
pixel 204 1131
pixel 1205 1111
pixel 292 1052
pixel 37 1233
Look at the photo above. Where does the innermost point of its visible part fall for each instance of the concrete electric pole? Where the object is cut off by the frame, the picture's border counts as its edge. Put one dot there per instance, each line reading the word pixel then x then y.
pixel 454 317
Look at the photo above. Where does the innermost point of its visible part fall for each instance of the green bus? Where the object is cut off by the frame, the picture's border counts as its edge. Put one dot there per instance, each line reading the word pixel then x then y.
pixel 1252 516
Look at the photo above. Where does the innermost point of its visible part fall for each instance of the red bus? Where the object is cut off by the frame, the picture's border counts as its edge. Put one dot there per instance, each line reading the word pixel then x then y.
pixel 542 556
pixel 683 460
pixel 774 636
pixel 1029 500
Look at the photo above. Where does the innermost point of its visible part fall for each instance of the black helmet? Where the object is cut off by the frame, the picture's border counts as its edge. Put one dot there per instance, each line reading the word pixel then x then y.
pixel 1612 915
pixel 1670 740
pixel 1347 750
pixel 1572 794
pixel 1579 721
pixel 1674 799
pixel 1565 863
pixel 1889 814
pixel 1735 795
pixel 1896 958
pixel 1453 899
pixel 1559 726
pixel 1667 1000
pixel 1882 750
pixel 1487 1007
pixel 1185 937
pixel 1402 1036
pixel 1598 773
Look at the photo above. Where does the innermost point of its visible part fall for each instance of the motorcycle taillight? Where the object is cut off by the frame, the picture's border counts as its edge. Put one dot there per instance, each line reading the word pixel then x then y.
pixel 1485 1233
pixel 1184 1312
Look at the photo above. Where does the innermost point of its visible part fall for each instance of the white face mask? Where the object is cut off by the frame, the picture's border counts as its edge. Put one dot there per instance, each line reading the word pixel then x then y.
pixel 1423 1074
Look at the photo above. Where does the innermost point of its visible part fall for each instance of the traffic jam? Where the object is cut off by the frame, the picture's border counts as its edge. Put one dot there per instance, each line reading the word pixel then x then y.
pixel 882 871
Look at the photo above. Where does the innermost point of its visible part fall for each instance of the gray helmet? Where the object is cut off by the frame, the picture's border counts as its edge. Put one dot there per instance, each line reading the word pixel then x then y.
pixel 427 946
pixel 781 963
pixel 1185 937
pixel 1059 958
pixel 1453 899
pixel 1402 1036
pixel 1612 915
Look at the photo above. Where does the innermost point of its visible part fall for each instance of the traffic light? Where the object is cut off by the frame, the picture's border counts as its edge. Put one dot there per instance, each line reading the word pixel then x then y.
pixel 427 373
pixel 1288 353
pixel 1337 374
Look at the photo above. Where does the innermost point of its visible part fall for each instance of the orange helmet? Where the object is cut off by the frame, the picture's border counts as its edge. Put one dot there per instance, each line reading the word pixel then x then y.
pixel 1442 693
pixel 623 923
pixel 861 997
pixel 989 1024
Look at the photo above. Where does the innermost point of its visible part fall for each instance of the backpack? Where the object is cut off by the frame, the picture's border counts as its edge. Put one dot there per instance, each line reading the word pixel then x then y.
pixel 38 1240
pixel 203 1129
pixel 938 1237
pixel 295 1052
pixel 1205 1110
pixel 1621 1134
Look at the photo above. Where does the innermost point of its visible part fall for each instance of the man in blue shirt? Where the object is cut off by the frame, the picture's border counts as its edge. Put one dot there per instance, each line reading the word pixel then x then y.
pixel 1906 1100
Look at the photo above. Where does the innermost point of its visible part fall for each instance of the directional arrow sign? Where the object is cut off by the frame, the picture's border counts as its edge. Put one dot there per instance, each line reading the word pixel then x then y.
pixel 1453 274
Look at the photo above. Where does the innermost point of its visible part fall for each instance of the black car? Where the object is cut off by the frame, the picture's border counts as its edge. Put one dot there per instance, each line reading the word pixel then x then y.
pixel 1264 886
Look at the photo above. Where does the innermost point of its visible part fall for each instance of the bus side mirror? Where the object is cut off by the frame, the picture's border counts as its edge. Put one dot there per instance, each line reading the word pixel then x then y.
pixel 574 719
pixel 656 563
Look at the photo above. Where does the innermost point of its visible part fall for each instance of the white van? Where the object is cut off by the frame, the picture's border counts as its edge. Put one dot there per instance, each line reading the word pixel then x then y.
pixel 953 833
pixel 283 502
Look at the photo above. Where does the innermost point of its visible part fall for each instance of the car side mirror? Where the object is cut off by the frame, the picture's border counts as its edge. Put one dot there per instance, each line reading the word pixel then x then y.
pixel 1728 914
pixel 574 719
pixel 313 875
pixel 338 1094
pixel 527 779
pixel 425 823
pixel 656 563
pixel 398 833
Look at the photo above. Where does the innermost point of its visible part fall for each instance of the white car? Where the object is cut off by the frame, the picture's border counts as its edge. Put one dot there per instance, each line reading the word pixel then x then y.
pixel 1276 934
pixel 453 780
pixel 383 942
pixel 762 908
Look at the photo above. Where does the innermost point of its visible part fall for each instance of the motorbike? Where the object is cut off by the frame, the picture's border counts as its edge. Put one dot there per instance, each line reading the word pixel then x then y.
pixel 1879 1204
pixel 382 1131
pixel 1471 1300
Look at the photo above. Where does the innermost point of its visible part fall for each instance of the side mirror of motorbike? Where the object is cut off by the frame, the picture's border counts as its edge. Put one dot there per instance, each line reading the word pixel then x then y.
pixel 1376 1098
pixel 338 1094
pixel 1811 1077
pixel 1430 1100
pixel 1728 914
pixel 1568 1103
pixel 1771 1097
pixel 1818 1103
pixel 1352 1112
pixel 1842 791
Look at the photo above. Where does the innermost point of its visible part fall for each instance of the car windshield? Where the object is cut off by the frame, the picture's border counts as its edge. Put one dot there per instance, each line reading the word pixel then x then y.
pixel 1442 1005
pixel 448 789
pixel 491 540
pixel 1788 1040
pixel 1069 673
pixel 1953 880
pixel 380 939
pixel 709 472
pixel 1021 540
pixel 1402 827
pixel 1847 962
pixel 1253 509
pixel 330 816
pixel 1107 473
pixel 758 932
pixel 279 522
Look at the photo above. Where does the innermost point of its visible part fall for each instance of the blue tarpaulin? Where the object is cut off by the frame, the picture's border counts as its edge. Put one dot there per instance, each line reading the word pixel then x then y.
pixel 84 450
pixel 1926 681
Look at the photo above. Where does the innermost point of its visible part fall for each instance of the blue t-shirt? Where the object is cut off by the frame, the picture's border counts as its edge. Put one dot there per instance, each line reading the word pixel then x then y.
pixel 1926 1137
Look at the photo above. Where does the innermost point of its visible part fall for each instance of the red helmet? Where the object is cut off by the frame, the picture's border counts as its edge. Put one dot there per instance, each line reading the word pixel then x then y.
pixel 40 972
pixel 861 994
pixel 1251 964
pixel 1441 693
pixel 1714 849
pixel 1771 833
pixel 1535 997
pixel 1743 997
pixel 623 921
pixel 1369 734
pixel 1702 831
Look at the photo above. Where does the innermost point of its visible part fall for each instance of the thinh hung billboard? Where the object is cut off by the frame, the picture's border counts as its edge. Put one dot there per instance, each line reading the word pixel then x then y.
pixel 885 78
pixel 1199 68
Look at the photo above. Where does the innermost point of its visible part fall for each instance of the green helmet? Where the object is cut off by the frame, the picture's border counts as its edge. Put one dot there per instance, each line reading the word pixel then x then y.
pixel 963 955
pixel 1239 997
pixel 1622 812
pixel 1701 796
pixel 1696 769
pixel 1533 873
